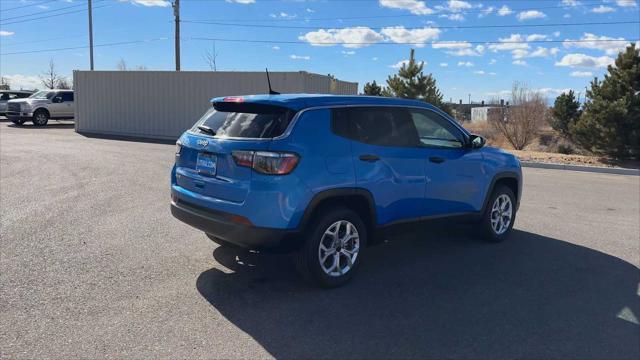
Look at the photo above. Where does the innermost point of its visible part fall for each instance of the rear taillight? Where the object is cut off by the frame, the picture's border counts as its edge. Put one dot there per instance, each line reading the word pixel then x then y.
pixel 266 162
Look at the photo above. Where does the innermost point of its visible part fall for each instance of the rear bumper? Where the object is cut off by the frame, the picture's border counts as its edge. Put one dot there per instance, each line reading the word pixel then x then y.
pixel 220 225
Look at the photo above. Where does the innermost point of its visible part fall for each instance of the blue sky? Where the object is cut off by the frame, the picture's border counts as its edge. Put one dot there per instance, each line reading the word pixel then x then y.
pixel 356 40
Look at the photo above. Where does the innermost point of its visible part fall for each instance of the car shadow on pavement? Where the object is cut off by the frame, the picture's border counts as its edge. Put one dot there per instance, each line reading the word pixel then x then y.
pixel 438 293
pixel 49 126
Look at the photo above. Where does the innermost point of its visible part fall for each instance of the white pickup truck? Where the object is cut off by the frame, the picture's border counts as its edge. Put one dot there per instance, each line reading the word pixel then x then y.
pixel 42 106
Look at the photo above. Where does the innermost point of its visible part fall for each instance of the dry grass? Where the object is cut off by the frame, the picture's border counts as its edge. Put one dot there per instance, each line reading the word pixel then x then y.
pixel 546 149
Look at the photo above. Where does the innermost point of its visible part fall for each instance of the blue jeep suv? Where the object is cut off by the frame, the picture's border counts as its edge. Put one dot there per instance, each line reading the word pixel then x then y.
pixel 323 174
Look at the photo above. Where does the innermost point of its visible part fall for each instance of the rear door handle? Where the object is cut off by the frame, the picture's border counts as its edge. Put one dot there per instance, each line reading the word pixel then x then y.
pixel 369 158
pixel 436 159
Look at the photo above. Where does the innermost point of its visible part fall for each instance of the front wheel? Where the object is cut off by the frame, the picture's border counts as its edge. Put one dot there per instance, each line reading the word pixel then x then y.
pixel 499 215
pixel 18 121
pixel 40 118
pixel 333 248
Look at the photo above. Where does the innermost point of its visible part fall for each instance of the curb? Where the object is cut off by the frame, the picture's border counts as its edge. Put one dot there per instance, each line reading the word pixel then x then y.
pixel 595 169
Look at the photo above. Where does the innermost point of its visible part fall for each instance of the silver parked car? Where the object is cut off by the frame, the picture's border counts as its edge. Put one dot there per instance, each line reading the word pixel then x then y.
pixel 42 106
pixel 6 95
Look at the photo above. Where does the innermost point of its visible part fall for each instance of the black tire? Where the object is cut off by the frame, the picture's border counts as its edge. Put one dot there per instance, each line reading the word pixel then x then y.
pixel 308 257
pixel 40 117
pixel 18 121
pixel 488 231
pixel 221 242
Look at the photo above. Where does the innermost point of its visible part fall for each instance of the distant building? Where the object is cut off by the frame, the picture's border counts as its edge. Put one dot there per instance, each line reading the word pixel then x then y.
pixel 484 113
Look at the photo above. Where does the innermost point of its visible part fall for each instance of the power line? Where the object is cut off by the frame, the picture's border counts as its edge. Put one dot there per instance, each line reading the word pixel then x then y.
pixel 435 13
pixel 414 28
pixel 53 15
pixel 42 12
pixel 85 47
pixel 406 43
pixel 28 5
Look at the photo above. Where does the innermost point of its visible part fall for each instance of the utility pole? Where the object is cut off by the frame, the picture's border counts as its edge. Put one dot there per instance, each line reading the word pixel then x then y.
pixel 176 14
pixel 90 35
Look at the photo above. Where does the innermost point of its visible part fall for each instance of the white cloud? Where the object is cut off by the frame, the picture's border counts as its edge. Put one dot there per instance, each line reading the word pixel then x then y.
pixel 626 3
pixel 26 82
pixel 570 3
pixel 151 3
pixel 531 14
pixel 486 11
pixel 465 63
pixel 566 16
pixel 43 7
pixel 444 64
pixel 457 5
pixel 519 62
pixel 276 47
pixel 552 91
pixel 6 33
pixel 375 58
pixel 399 34
pixel 310 11
pixel 536 37
pixel 504 11
pixel 582 60
pixel 479 72
pixel 241 1
pixel 611 46
pixel 477 51
pixel 414 6
pixel 453 17
pixel 349 52
pixel 602 9
pixel 451 45
pixel 514 41
pixel 300 57
pixel 283 15
pixel 556 33
pixel 492 61
pixel 581 74
pixel 399 64
pixel 543 52
pixel 519 53
pixel 354 37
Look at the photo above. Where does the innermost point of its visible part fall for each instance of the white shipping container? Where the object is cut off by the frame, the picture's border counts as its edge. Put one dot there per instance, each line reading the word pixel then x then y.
pixel 163 104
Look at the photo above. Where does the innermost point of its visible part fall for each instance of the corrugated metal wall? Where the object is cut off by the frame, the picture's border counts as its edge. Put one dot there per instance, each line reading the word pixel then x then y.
pixel 162 104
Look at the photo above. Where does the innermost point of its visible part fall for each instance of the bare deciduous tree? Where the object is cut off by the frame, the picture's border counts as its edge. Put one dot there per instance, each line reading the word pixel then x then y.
pixel 63 83
pixel 121 65
pixel 50 78
pixel 520 122
pixel 210 57
pixel 4 83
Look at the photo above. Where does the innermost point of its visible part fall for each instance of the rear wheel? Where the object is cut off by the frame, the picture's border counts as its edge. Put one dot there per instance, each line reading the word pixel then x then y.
pixel 40 118
pixel 499 215
pixel 333 248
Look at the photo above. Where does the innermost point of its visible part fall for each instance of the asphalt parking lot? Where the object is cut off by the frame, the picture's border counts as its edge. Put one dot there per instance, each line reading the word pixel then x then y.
pixel 93 265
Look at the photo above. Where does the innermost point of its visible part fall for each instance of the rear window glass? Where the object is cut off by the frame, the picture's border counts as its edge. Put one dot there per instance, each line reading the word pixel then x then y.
pixel 244 120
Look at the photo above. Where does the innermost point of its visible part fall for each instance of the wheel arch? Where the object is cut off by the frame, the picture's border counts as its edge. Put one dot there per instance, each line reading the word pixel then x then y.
pixel 511 179
pixel 356 199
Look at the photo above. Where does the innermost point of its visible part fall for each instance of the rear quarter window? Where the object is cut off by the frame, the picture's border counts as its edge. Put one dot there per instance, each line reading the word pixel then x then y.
pixel 245 120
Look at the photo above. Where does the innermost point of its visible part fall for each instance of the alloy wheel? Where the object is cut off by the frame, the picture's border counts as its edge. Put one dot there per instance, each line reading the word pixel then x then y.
pixel 501 214
pixel 339 248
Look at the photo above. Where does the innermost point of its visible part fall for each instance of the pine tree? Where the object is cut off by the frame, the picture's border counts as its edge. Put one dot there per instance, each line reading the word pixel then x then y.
pixel 610 123
pixel 372 89
pixel 412 83
pixel 565 111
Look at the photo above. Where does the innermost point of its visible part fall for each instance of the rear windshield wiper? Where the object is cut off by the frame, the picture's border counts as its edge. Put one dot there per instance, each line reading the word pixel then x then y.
pixel 206 129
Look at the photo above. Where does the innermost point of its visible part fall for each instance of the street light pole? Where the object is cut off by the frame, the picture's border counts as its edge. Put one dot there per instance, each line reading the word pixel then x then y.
pixel 90 35
pixel 176 14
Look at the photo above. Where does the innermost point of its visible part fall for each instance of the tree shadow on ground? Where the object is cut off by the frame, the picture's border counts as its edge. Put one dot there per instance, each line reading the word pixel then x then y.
pixel 438 293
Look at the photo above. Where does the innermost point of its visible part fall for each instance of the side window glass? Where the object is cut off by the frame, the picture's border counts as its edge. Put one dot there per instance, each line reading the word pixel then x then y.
pixel 384 126
pixel 67 96
pixel 434 130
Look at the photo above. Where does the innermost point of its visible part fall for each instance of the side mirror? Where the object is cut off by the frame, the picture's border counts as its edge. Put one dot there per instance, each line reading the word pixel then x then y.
pixel 477 141
pixel 57 99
